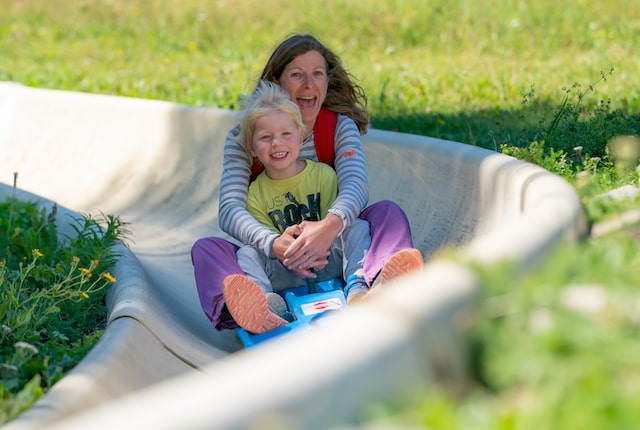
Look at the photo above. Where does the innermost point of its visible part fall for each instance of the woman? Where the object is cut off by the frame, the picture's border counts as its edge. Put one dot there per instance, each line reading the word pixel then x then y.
pixel 316 80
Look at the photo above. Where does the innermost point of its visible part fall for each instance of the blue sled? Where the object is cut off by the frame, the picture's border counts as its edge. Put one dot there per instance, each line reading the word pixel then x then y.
pixel 309 310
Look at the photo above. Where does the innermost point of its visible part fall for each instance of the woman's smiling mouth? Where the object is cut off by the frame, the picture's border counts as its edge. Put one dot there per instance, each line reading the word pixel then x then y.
pixel 306 102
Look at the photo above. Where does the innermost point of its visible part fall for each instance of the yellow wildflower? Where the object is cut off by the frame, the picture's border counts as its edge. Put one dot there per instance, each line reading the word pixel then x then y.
pixel 36 253
pixel 75 259
pixel 108 277
pixel 84 295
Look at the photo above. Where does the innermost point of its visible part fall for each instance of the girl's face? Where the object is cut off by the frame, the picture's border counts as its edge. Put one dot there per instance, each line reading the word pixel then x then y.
pixel 276 143
pixel 305 79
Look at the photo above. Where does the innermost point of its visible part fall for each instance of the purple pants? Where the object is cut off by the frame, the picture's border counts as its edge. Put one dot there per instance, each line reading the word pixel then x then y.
pixel 214 258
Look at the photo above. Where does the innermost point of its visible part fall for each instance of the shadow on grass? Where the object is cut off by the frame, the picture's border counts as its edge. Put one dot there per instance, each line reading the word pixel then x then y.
pixel 560 126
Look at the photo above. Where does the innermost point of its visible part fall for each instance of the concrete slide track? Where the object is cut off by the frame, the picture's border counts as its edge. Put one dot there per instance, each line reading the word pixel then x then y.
pixel 160 363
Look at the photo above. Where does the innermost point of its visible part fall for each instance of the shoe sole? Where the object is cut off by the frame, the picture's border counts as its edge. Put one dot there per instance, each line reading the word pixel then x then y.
pixel 401 263
pixel 248 306
pixel 356 297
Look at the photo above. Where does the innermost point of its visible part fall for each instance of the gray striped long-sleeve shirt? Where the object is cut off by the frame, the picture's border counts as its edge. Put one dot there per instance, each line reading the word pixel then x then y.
pixel 350 165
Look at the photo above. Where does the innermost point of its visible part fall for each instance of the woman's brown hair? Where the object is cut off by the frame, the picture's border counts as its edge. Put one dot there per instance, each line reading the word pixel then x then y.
pixel 343 95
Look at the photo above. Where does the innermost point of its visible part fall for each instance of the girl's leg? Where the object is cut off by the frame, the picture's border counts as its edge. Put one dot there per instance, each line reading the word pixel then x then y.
pixel 355 243
pixel 213 260
pixel 390 233
pixel 255 266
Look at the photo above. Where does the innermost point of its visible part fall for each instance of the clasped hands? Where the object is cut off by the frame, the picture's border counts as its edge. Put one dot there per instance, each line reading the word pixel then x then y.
pixel 304 248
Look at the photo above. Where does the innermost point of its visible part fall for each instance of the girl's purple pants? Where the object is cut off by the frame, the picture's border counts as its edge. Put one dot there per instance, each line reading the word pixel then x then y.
pixel 214 258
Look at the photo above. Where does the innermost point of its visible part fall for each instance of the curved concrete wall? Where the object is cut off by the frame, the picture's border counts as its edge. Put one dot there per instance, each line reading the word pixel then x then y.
pixel 160 363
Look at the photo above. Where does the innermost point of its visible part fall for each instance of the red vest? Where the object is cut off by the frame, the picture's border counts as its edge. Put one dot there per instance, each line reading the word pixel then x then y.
pixel 324 131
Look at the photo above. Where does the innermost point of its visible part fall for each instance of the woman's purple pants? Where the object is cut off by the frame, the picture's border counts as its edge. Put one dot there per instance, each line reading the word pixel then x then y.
pixel 214 258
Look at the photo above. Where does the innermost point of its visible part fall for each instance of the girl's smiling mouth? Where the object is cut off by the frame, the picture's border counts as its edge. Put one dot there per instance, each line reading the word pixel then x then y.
pixel 280 154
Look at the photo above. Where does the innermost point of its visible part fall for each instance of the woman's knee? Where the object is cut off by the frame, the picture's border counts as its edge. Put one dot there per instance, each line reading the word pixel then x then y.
pixel 383 209
pixel 212 246
pixel 389 207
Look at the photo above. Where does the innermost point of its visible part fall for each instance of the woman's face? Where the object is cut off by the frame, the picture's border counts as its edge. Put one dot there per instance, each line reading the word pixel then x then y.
pixel 305 79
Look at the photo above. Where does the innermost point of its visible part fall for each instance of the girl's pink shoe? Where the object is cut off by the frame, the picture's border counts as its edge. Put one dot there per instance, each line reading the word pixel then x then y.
pixel 248 305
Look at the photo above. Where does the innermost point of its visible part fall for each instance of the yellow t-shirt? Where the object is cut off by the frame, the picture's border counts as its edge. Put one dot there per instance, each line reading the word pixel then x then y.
pixel 280 203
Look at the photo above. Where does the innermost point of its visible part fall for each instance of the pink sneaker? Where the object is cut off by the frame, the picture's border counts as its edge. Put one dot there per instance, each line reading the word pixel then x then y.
pixel 402 262
pixel 248 305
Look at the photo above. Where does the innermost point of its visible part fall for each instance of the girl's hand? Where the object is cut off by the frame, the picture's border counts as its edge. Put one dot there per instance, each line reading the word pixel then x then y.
pixel 284 241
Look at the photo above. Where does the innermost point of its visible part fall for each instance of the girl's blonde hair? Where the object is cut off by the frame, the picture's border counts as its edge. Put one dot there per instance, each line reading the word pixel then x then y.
pixel 265 98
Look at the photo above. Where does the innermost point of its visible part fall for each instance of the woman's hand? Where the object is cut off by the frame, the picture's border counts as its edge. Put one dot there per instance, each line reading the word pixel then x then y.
pixel 310 249
pixel 283 242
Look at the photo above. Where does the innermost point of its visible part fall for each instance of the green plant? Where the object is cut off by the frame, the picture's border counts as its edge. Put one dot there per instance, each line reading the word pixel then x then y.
pixel 614 159
pixel 551 159
pixel 51 296
pixel 572 123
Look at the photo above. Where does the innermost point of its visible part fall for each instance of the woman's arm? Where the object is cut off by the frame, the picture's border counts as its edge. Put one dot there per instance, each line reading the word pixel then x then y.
pixel 351 168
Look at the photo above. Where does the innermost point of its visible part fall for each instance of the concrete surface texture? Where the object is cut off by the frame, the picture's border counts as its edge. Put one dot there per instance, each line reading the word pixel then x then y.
pixel 160 363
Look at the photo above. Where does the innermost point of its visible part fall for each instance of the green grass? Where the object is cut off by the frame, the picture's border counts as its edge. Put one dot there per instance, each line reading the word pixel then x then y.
pixel 446 69
pixel 532 79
